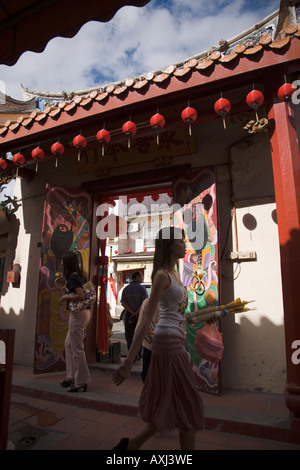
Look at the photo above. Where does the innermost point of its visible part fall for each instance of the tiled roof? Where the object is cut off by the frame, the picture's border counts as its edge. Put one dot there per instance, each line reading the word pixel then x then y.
pixel 249 45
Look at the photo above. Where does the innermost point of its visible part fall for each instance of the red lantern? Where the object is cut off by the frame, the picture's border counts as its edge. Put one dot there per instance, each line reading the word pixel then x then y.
pixel 38 154
pixel 189 115
pixel 157 121
pixel 103 136
pixel 18 159
pixel 222 107
pixel 57 149
pixel 145 249
pixel 255 99
pixel 80 143
pixel 3 164
pixel 116 252
pixel 286 91
pixel 130 250
pixel 129 129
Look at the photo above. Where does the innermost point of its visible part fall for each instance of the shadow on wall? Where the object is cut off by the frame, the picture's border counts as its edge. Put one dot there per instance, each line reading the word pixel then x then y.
pixel 255 353
pixel 259 368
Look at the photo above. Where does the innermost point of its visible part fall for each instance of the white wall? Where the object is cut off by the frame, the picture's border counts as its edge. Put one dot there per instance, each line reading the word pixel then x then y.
pixel 18 304
pixel 254 355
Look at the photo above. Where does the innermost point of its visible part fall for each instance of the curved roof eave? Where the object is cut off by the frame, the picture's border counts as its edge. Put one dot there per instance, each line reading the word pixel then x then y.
pixel 30 25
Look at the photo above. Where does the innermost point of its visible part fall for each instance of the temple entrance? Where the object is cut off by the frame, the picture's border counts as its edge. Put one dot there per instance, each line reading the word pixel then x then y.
pixel 187 201
pixel 190 203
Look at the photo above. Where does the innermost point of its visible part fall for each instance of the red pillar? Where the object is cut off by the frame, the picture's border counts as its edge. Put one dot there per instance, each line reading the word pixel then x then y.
pixel 286 170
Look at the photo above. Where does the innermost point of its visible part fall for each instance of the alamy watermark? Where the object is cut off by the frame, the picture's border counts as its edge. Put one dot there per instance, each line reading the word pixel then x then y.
pixel 296 354
pixel 296 94
pixel 116 221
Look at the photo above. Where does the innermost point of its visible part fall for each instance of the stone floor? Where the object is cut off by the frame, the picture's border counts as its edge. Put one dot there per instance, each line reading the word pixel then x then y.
pixel 44 416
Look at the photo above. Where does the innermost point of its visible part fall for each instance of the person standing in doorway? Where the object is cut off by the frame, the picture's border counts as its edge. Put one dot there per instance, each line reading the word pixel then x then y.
pixel 77 372
pixel 132 298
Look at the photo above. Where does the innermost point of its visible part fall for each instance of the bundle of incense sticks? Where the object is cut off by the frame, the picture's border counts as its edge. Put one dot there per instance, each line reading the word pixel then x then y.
pixel 205 314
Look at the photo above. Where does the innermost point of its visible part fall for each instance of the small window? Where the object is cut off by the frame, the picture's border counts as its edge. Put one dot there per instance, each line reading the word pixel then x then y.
pixel 150 233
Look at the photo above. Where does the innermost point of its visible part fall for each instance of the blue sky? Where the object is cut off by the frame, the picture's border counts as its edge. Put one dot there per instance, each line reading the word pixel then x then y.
pixel 135 41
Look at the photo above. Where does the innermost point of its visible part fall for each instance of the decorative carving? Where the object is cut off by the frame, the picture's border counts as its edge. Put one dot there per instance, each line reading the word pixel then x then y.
pixel 254 127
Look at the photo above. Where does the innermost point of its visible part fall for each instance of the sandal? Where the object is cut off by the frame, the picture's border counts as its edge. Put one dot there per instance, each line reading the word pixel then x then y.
pixel 66 383
pixel 74 389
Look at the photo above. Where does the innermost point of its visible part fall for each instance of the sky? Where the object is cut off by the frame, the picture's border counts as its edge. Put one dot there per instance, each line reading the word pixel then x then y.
pixel 135 41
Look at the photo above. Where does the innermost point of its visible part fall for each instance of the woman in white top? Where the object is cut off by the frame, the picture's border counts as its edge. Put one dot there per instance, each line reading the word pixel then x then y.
pixel 170 398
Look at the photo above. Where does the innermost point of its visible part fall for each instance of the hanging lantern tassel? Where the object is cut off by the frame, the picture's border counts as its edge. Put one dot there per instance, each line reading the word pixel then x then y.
pixel 189 115
pixel 157 121
pixel 129 129
pixel 255 99
pixel 286 92
pixel 57 149
pixel 80 143
pixel 103 136
pixel 222 107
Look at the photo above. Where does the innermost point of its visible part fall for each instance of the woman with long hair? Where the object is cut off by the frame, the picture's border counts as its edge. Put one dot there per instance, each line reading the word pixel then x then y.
pixel 170 398
pixel 77 372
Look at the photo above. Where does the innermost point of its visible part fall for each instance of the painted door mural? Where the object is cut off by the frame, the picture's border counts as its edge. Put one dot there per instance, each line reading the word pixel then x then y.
pixel 66 227
pixel 196 212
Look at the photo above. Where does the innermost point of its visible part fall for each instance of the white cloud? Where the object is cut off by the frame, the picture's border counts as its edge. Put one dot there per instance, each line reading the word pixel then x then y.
pixel 135 41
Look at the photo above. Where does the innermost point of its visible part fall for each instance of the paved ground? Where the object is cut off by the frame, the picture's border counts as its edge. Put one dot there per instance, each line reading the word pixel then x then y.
pixel 44 416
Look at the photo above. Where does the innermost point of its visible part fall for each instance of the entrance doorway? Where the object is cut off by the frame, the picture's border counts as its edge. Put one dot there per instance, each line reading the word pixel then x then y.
pixel 181 197
pixel 191 205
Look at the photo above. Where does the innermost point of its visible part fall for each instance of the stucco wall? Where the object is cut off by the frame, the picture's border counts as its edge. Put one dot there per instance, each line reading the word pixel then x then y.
pixel 254 355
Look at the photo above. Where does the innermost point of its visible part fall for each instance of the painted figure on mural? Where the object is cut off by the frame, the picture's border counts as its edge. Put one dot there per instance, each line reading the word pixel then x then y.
pixel 197 216
pixel 65 228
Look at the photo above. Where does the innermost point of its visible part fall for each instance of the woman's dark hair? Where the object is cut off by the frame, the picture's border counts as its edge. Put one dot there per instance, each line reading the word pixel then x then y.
pixel 71 264
pixel 163 243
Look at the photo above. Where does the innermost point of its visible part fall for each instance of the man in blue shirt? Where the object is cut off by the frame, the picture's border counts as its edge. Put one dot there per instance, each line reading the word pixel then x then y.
pixel 132 298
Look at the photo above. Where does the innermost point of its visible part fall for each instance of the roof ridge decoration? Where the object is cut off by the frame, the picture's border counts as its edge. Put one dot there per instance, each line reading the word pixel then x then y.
pixel 258 38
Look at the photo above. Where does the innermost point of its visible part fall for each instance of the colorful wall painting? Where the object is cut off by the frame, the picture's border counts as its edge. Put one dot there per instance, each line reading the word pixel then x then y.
pixel 66 227
pixel 196 213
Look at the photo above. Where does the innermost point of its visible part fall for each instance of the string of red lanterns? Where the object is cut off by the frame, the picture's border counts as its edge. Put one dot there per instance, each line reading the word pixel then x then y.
pixel 189 115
